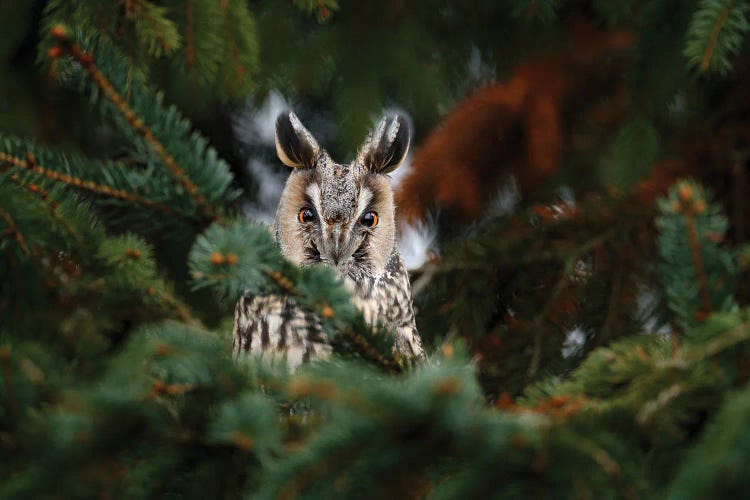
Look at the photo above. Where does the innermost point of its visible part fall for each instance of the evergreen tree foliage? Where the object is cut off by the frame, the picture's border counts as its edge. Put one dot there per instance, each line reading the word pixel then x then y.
pixel 716 33
pixel 210 45
pixel 588 327
pixel 691 226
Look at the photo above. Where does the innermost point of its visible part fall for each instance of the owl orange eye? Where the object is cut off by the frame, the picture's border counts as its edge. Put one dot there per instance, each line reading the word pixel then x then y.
pixel 306 215
pixel 370 219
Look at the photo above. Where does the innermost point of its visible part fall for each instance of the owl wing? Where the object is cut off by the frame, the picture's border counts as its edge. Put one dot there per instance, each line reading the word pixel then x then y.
pixel 389 299
pixel 408 343
pixel 275 328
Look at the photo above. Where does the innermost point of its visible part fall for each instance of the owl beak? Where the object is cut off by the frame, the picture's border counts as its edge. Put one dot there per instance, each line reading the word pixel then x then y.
pixel 336 245
pixel 336 255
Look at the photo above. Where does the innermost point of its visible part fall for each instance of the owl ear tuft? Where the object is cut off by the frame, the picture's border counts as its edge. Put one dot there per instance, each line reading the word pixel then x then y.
pixel 295 145
pixel 386 146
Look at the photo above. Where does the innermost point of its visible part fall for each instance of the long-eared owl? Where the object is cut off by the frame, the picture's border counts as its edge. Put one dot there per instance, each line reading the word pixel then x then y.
pixel 342 216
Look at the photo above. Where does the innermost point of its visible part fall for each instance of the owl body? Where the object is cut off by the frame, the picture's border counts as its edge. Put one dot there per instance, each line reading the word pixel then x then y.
pixel 341 216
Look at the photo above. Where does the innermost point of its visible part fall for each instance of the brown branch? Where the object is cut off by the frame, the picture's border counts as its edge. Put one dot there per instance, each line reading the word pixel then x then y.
pixel 182 311
pixel 536 324
pixel 710 48
pixel 282 282
pixel 14 230
pixel 695 254
pixel 37 192
pixel 569 265
pixel 335 460
pixel 601 457
pixel 719 344
pixel 79 183
pixel 240 72
pixel 100 80
pixel 325 312
pixel 138 7
pixel 52 205
pixel 365 348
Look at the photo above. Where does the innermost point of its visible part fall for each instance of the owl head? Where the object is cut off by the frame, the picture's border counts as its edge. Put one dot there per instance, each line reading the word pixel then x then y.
pixel 341 215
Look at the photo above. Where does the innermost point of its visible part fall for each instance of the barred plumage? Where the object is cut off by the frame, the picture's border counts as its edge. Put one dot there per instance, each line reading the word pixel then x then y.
pixel 275 327
pixel 341 216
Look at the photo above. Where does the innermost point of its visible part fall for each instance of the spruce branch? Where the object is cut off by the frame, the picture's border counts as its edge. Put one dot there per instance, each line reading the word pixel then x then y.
pixel 53 206
pixel 132 271
pixel 283 282
pixel 698 275
pixel 716 33
pixel 569 264
pixel 720 343
pixel 162 411
pixel 695 255
pixel 241 258
pixel 212 44
pixel 31 164
pixel 331 461
pixel 714 467
pixel 154 30
pixel 600 456
pixel 241 50
pixel 711 46
pixel 634 150
pixel 13 230
pixel 369 353
pixel 205 40
pixel 139 27
pixel 31 188
pixel 102 82
pixel 178 306
pixel 536 323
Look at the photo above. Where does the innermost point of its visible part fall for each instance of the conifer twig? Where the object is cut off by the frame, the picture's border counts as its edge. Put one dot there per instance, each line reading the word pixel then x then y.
pixel 724 341
pixel 568 267
pixel 138 7
pixel 363 346
pixel 14 230
pixel 536 354
pixel 100 80
pixel 369 352
pixel 52 206
pixel 309 474
pixel 182 311
pixel 32 188
pixel 695 254
pixel 101 189
pixel 282 282
pixel 713 40
pixel 608 464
